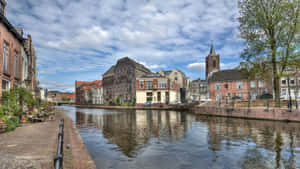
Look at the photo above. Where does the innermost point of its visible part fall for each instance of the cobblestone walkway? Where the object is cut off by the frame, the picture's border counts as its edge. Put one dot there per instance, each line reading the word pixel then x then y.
pixel 34 146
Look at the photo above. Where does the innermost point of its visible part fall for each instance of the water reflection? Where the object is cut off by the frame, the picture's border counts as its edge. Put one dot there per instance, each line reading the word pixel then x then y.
pixel 132 131
pixel 169 139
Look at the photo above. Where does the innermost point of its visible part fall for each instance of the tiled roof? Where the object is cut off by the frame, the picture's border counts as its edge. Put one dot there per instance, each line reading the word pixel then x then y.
pixel 227 75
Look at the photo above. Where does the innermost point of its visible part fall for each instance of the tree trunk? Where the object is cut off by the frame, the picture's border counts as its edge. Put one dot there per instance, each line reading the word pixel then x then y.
pixel 276 76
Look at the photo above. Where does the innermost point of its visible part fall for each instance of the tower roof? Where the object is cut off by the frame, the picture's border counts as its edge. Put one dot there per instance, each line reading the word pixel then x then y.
pixel 212 50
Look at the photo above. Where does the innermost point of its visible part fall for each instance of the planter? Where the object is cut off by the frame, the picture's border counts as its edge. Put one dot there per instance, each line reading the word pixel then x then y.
pixel 24 119
pixel 2 126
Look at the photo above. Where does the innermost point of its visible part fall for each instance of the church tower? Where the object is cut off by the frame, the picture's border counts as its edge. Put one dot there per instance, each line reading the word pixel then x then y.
pixel 212 62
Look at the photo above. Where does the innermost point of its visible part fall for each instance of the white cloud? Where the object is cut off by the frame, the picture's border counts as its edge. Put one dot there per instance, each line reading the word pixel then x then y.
pixel 197 66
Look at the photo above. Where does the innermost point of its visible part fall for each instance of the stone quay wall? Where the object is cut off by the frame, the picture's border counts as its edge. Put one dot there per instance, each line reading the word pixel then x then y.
pixel 258 113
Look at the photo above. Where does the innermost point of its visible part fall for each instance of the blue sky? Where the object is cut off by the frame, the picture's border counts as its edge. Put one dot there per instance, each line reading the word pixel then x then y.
pixel 81 39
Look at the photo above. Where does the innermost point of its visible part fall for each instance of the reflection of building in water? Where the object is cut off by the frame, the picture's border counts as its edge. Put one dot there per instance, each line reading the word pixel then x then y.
pixel 131 131
pixel 222 131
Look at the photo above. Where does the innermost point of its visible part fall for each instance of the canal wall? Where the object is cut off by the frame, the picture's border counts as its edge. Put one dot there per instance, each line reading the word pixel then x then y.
pixel 258 113
pixel 133 107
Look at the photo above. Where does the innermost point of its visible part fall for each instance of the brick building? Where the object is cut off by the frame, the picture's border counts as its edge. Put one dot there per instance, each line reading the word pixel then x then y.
pixel 89 92
pixel 225 84
pixel 180 79
pixel 10 51
pixel 120 81
pixel 155 89
pixel 18 60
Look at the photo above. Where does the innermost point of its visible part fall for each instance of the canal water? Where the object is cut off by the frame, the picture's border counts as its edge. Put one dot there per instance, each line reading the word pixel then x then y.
pixel 142 139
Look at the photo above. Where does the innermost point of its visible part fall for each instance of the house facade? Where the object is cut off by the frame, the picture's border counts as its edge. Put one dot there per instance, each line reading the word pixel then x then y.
pixel 89 92
pixel 10 52
pixel 290 85
pixel 119 82
pixel 181 80
pixel 199 90
pixel 155 89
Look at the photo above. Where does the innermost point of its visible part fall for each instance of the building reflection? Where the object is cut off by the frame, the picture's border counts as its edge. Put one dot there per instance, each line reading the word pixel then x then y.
pixel 134 130
pixel 274 137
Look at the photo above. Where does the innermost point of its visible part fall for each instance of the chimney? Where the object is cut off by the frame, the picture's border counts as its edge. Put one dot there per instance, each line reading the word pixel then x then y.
pixel 20 31
pixel 2 7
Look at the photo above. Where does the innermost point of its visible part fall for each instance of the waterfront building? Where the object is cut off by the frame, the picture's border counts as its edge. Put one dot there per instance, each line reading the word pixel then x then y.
pixel 156 89
pixel 119 81
pixel 11 43
pixel 18 60
pixel 180 79
pixel 290 80
pixel 226 84
pixel 199 90
pixel 89 92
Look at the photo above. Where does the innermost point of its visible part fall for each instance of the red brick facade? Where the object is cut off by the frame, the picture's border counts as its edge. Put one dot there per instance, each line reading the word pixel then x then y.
pixel 14 47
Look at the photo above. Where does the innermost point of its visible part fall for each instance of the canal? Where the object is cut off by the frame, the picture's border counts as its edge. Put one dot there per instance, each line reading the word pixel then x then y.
pixel 141 139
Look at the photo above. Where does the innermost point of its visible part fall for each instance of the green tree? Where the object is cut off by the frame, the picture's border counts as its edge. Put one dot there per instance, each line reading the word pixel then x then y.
pixel 270 27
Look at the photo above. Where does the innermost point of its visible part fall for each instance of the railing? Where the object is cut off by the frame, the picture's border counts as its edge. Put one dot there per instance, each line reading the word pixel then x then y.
pixel 58 159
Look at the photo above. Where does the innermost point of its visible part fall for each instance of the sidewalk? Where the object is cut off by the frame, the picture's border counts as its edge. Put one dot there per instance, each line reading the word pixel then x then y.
pixel 34 146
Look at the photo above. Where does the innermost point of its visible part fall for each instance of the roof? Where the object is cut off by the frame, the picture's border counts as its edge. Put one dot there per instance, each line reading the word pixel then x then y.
pixel 88 83
pixel 110 71
pixel 68 95
pixel 11 28
pixel 212 50
pixel 227 75
pixel 151 75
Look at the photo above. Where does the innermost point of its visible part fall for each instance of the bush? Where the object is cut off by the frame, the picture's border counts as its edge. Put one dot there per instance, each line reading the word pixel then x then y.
pixel 12 124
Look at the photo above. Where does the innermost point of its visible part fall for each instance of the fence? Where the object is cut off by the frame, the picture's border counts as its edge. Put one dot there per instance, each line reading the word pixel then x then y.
pixel 58 159
pixel 248 100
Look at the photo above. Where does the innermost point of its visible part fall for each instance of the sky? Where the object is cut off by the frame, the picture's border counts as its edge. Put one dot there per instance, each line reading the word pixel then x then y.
pixel 81 39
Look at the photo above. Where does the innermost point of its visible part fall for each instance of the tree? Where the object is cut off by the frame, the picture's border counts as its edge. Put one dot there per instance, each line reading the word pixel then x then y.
pixel 270 27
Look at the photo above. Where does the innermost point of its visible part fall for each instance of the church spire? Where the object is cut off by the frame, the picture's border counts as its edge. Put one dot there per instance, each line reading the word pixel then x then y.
pixel 212 49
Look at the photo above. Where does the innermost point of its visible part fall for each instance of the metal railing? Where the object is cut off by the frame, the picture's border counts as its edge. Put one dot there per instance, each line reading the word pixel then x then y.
pixel 58 159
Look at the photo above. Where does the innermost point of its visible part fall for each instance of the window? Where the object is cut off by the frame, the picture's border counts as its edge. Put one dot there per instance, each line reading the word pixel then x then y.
pixel 261 84
pixel 214 64
pixel 141 84
pixel 16 63
pixel 149 84
pixel 298 81
pixel 240 95
pixel 5 57
pixel 218 86
pixel 158 96
pixel 162 84
pixel 226 86
pixel 5 85
pixel 239 85
pixel 149 96
pixel 176 78
pixel 298 92
pixel 292 82
pixel 253 95
pixel 283 92
pixel 218 96
pixel 283 82
pixel 253 84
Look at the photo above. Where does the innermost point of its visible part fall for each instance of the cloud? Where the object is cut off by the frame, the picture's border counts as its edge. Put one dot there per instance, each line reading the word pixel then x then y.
pixel 197 66
pixel 86 38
